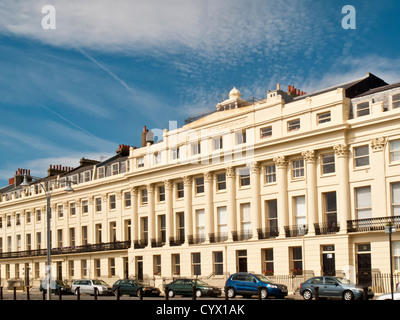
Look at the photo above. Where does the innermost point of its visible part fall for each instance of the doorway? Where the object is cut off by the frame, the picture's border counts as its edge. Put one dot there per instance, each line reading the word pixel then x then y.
pixel 241 260
pixel 364 271
pixel 139 267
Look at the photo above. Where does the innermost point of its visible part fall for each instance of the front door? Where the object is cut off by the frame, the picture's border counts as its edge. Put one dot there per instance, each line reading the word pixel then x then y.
pixel 328 264
pixel 139 268
pixel 364 269
pixel 242 261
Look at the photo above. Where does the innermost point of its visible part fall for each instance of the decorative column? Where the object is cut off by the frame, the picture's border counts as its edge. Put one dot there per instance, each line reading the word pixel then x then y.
pixel 119 207
pixel 282 201
pixel 377 169
pixel 187 181
pixel 231 207
pixel 311 182
pixel 169 233
pixel 151 214
pixel 343 198
pixel 134 215
pixel 255 198
pixel 209 216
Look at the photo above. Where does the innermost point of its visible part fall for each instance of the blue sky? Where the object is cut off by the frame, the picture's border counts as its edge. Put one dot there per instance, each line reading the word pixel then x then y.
pixel 111 67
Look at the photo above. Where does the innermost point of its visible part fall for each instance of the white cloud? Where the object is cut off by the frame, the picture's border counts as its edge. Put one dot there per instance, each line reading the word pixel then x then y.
pixel 213 28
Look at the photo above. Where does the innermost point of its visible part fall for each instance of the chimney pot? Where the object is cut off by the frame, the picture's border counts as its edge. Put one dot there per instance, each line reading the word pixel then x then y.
pixel 278 86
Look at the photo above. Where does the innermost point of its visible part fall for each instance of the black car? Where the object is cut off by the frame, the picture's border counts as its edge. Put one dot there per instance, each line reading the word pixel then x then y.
pixel 185 287
pixel 134 288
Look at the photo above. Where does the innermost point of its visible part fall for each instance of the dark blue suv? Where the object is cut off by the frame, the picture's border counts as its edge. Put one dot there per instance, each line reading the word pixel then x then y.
pixel 247 284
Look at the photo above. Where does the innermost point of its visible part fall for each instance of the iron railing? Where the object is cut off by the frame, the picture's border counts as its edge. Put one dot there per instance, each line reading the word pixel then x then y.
pixel 266 233
pixel 218 237
pixel 326 228
pixel 372 224
pixel 296 230
pixel 118 245
pixel 242 235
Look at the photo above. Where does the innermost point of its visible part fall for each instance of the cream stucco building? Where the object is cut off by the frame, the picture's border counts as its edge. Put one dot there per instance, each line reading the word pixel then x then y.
pixel 294 183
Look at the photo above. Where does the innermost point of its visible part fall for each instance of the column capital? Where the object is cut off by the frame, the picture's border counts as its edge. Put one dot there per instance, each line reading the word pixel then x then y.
pixel 230 172
pixel 377 144
pixel 150 188
pixel 254 167
pixel 134 191
pixel 280 161
pixel 309 155
pixel 187 180
pixel 167 184
pixel 208 176
pixel 341 150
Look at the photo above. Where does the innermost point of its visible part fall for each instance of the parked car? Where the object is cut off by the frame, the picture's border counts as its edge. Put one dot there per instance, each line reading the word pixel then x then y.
pixel 248 284
pixel 388 296
pixel 55 286
pixel 185 287
pixel 87 286
pixel 333 287
pixel 133 287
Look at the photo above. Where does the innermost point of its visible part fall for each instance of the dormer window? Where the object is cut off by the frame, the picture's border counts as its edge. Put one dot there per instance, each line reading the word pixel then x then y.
pixel 396 101
pixel 362 109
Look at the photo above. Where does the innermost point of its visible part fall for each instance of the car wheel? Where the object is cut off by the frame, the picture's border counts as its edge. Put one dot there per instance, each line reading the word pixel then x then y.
pixel 264 293
pixel 231 293
pixel 171 294
pixel 348 295
pixel 307 295
pixel 198 293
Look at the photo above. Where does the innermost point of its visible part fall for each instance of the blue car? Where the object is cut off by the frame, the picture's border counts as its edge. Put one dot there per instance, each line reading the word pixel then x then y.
pixel 333 287
pixel 248 284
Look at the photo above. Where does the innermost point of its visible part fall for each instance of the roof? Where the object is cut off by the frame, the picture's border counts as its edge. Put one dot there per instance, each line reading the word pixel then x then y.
pixel 379 89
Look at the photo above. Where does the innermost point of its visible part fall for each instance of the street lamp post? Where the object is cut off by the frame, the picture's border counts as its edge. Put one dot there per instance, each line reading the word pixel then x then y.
pixel 47 190
pixel 389 228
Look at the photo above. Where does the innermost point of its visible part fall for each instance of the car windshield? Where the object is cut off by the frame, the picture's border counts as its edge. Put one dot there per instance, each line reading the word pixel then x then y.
pixel 262 278
pixel 100 282
pixel 343 280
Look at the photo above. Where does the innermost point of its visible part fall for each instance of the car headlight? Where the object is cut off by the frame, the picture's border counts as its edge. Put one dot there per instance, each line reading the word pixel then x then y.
pixel 273 286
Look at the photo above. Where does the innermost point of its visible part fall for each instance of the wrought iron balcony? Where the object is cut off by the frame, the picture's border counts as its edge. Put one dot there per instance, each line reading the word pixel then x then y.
pixel 196 238
pixel 242 235
pixel 326 228
pixel 372 224
pixel 157 243
pixel 176 241
pixel 118 245
pixel 140 244
pixel 296 230
pixel 266 233
pixel 218 237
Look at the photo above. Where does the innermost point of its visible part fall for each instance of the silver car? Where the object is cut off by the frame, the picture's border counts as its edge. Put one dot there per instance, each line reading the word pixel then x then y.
pixel 333 287
pixel 87 286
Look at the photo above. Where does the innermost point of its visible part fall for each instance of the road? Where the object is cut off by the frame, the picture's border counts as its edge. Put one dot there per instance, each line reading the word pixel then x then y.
pixel 36 295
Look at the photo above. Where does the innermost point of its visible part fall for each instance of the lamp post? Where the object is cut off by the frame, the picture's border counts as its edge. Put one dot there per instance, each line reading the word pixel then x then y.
pixel 45 185
pixel 390 228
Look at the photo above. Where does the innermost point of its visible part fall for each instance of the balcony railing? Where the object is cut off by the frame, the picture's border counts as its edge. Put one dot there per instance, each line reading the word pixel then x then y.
pixel 118 245
pixel 296 230
pixel 326 228
pixel 157 243
pixel 372 224
pixel 176 241
pixel 140 244
pixel 242 235
pixel 196 238
pixel 266 233
pixel 218 237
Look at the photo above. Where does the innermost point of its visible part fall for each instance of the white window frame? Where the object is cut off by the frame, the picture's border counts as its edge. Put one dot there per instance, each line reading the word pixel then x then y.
pixel 394 152
pixel 293 125
pixel 361 109
pixel 298 169
pixel 362 156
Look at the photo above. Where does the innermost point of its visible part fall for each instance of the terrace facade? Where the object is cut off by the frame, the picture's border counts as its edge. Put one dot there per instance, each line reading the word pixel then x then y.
pixel 292 184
